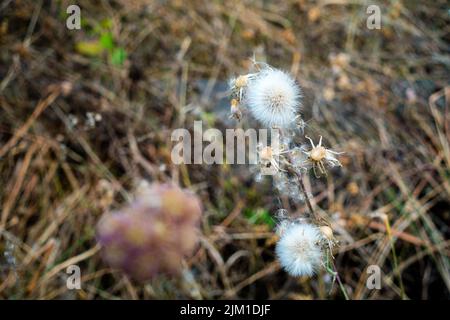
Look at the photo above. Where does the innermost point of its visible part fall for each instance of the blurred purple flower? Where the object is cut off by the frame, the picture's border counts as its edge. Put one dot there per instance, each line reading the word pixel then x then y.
pixel 153 234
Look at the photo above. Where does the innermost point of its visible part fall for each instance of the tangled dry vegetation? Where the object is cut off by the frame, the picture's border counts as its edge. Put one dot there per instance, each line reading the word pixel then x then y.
pixel 81 124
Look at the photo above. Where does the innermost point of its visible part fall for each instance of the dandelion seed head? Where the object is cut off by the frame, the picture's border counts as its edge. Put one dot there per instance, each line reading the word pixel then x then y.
pixel 299 250
pixel 273 98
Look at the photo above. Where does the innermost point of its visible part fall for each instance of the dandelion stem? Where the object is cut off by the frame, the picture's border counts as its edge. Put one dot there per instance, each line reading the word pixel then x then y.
pixel 338 278
pixel 303 190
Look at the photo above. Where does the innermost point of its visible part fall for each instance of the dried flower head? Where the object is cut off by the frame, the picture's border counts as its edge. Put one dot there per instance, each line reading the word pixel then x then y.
pixel 327 232
pixel 273 98
pixel 329 241
pixel 270 157
pixel 319 156
pixel 153 234
pixel 299 249
pixel 239 85
pixel 241 81
pixel 235 111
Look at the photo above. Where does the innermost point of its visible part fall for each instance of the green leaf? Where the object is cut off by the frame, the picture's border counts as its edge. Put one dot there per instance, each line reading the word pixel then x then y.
pixel 259 216
pixel 118 56
pixel 107 41
pixel 89 48
pixel 209 118
pixel 106 24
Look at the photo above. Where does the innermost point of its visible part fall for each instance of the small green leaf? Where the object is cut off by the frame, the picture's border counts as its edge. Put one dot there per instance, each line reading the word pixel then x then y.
pixel 118 57
pixel 89 48
pixel 106 40
pixel 209 118
pixel 106 24
pixel 259 216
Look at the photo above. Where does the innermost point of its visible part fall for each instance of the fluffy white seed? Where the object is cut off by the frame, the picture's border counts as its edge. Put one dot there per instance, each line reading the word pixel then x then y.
pixel 273 98
pixel 299 250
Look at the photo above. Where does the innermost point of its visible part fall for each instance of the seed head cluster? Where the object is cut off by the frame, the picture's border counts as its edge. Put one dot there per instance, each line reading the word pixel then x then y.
pixel 274 99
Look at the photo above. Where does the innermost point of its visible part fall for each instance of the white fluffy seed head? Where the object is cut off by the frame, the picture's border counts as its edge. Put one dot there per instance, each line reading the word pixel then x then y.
pixel 273 98
pixel 299 250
